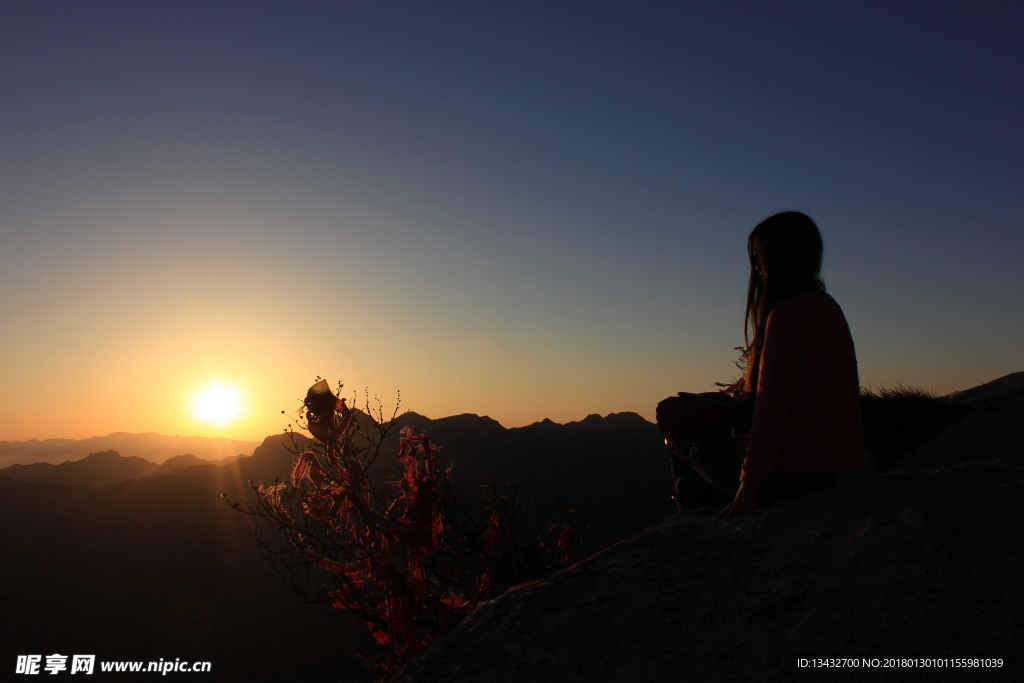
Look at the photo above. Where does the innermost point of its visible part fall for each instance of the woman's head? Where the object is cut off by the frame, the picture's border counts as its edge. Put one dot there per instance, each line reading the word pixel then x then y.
pixel 785 253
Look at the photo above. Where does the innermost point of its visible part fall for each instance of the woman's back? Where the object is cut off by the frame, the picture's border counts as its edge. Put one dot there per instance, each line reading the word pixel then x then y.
pixel 807 409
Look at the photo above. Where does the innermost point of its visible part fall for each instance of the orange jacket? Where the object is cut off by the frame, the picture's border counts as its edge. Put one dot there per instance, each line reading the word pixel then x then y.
pixel 807 415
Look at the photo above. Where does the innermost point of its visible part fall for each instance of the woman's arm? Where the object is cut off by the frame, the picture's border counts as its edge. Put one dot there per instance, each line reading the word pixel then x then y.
pixel 777 390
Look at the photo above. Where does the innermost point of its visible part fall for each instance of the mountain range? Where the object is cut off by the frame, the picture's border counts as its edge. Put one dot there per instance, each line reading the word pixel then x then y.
pixel 156 448
pixel 156 565
pixel 106 467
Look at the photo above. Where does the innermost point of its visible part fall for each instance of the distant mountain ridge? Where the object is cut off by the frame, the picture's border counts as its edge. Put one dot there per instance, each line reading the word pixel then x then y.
pixel 612 469
pixel 605 467
pixel 156 448
pixel 100 469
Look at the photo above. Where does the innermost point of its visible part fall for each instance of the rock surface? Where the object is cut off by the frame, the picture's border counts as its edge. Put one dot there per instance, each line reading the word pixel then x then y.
pixel 921 561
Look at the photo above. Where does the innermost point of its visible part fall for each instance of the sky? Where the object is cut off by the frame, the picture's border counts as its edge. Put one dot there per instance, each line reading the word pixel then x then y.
pixel 523 210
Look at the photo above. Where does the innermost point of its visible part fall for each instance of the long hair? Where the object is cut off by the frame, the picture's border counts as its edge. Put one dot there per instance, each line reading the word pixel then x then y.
pixel 785 259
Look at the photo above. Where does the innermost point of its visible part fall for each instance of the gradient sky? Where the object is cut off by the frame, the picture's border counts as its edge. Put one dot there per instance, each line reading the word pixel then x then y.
pixel 521 209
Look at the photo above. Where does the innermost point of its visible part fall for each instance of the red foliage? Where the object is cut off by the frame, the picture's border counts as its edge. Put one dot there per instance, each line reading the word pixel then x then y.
pixel 387 553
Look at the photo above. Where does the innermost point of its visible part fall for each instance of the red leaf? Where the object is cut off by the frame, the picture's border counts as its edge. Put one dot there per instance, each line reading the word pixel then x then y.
pixel 307 467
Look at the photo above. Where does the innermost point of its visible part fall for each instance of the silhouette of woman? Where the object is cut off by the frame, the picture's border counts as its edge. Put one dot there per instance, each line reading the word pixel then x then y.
pixel 797 422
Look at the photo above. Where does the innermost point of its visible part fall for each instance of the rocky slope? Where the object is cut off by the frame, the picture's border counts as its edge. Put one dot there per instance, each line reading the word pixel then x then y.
pixel 919 561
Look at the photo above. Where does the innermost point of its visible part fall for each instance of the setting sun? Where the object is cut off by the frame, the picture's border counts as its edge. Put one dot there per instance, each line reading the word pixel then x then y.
pixel 217 404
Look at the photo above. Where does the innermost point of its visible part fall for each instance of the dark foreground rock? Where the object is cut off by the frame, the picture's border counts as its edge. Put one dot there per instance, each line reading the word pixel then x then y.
pixel 920 562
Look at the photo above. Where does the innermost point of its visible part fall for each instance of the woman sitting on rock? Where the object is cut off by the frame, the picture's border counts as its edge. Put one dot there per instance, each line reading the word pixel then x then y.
pixel 798 420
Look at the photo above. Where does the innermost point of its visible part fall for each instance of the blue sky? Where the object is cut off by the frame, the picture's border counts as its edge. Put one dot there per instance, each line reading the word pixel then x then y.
pixel 525 210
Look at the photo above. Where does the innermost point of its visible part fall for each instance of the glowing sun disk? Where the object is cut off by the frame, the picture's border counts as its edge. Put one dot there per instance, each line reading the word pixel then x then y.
pixel 217 403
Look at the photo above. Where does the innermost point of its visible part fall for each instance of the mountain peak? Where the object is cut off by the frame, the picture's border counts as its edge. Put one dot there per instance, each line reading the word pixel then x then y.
pixel 103 457
pixel 468 420
pixel 184 460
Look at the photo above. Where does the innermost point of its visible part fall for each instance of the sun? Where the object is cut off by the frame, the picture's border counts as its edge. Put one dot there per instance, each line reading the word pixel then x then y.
pixel 217 404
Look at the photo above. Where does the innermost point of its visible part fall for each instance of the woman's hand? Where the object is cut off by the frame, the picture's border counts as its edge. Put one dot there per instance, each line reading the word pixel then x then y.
pixel 744 501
